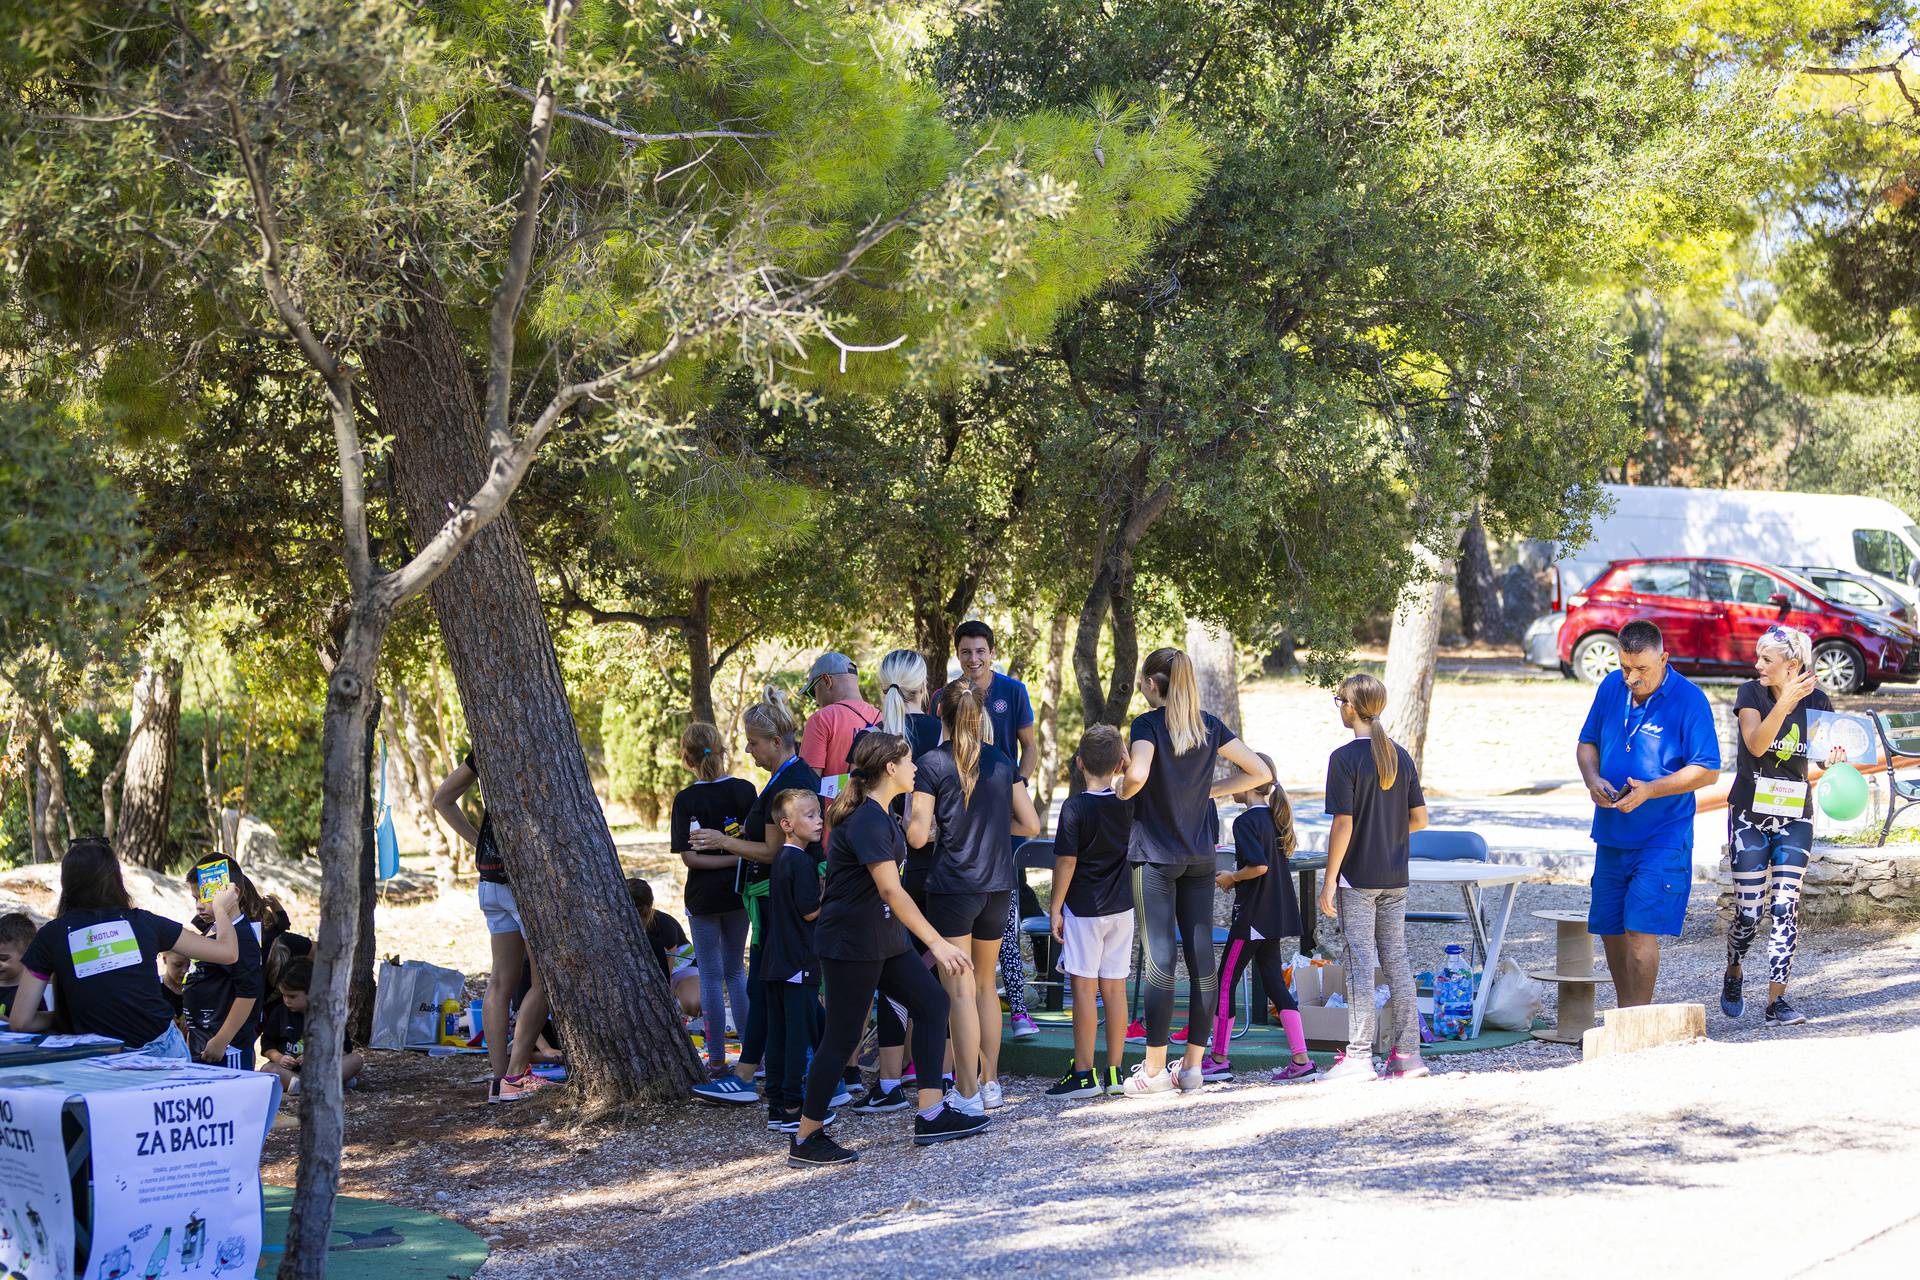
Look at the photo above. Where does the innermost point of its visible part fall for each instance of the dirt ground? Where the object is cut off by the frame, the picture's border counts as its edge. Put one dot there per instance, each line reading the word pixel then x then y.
pixel 1682 1153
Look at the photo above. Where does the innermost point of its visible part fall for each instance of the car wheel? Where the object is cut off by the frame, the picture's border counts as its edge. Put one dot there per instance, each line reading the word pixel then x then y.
pixel 1596 657
pixel 1838 667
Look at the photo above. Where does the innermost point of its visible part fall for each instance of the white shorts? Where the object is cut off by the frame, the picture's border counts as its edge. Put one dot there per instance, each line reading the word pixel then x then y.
pixel 1097 946
pixel 498 906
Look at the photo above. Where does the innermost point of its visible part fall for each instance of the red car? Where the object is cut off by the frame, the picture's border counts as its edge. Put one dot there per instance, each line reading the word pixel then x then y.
pixel 1711 611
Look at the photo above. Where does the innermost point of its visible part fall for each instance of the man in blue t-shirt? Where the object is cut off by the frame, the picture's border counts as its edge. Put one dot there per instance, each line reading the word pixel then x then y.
pixel 1648 744
pixel 1008 708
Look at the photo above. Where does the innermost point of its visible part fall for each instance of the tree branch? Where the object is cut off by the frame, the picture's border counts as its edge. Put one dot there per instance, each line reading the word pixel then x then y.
pixel 633 136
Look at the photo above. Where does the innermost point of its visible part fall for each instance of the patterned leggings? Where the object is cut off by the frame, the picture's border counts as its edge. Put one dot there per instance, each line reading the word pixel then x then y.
pixel 1013 969
pixel 1768 864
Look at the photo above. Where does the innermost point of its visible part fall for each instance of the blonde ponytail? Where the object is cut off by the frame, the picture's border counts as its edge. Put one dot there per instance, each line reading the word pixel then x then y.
pixel 871 756
pixel 961 713
pixel 1368 698
pixel 1170 671
pixel 772 717
pixel 903 684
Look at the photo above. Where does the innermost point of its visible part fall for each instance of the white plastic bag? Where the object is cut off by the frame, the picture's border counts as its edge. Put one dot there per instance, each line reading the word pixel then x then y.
pixel 1514 1001
pixel 406 1003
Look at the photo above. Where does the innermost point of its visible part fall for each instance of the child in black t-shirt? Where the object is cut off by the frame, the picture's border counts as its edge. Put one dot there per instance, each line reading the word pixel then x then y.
pixel 16 935
pixel 173 984
pixel 791 969
pixel 222 1001
pixel 664 933
pixel 283 1038
pixel 1265 910
pixel 1093 912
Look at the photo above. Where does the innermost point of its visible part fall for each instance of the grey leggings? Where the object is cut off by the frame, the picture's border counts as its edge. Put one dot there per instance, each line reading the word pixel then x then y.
pixel 1164 896
pixel 720 949
pixel 1375 924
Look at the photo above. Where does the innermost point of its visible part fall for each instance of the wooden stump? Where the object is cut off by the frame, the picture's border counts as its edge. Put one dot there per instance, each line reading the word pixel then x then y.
pixel 1628 1030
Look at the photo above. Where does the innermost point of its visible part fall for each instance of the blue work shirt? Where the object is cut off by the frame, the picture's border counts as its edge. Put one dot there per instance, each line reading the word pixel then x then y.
pixel 1669 731
pixel 1009 709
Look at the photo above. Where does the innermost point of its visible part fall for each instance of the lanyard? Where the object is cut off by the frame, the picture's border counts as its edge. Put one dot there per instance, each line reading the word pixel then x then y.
pixel 776 775
pixel 1627 719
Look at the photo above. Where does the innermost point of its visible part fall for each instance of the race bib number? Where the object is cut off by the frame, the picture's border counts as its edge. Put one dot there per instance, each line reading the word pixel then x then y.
pixel 102 948
pixel 1779 797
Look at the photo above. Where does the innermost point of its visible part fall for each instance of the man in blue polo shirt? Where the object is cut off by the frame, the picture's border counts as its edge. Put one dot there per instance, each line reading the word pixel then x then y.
pixel 1648 745
pixel 1005 700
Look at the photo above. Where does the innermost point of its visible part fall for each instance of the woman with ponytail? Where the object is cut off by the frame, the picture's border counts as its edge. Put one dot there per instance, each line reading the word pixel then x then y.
pixel 860 937
pixel 903 701
pixel 1375 801
pixel 771 728
pixel 970 799
pixel 1170 779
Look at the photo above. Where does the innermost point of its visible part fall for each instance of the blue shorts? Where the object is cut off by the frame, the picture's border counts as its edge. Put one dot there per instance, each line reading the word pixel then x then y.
pixel 1640 890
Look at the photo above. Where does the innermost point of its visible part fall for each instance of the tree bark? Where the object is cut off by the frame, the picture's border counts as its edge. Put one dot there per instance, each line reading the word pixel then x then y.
pixel 1481 617
pixel 56 814
pixel 699 635
pixel 40 800
pixel 1047 735
pixel 153 739
pixel 344 731
pixel 405 726
pixel 1412 650
pixel 360 980
pixel 1216 668
pixel 624 1035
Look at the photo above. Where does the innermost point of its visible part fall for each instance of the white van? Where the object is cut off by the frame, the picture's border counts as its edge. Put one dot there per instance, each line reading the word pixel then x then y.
pixel 1862 535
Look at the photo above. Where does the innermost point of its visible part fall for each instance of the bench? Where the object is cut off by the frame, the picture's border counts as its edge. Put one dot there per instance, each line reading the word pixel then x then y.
pixel 1899 736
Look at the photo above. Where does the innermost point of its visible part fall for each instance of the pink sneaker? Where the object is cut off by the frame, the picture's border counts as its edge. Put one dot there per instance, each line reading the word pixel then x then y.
pixel 1401 1068
pixel 1136 1032
pixel 1296 1073
pixel 1179 1037
pixel 1213 1068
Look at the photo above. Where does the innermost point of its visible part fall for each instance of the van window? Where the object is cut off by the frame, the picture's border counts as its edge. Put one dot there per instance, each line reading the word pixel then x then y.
pixel 1660 580
pixel 1881 551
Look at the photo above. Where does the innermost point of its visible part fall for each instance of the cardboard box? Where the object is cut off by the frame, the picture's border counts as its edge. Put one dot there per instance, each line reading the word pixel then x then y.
pixel 1315 983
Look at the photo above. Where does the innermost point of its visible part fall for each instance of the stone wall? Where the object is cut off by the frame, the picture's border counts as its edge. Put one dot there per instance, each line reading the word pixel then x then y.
pixel 1847 880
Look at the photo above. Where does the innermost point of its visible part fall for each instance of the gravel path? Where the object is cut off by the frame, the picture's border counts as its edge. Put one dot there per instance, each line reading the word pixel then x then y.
pixel 1681 1153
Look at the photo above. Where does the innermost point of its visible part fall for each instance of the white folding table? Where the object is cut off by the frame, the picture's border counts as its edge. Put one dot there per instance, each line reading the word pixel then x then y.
pixel 1472 877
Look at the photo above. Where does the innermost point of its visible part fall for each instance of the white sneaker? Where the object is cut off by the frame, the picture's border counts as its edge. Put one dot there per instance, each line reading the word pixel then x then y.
pixel 974 1106
pixel 1345 1070
pixel 991 1096
pixel 1190 1079
pixel 1142 1082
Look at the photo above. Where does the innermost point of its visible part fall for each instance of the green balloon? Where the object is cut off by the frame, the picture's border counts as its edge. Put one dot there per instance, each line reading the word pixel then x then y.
pixel 1842 792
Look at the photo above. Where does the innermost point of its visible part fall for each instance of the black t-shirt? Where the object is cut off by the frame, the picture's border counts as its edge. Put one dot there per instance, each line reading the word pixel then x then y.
pixel 855 922
pixel 104 963
pixel 1787 758
pixel 1265 906
pixel 665 935
pixel 721 805
pixel 975 840
pixel 795 775
pixel 786 940
pixel 1174 821
pixel 1094 830
pixel 1377 854
pixel 211 989
pixel 488 862
pixel 285 1031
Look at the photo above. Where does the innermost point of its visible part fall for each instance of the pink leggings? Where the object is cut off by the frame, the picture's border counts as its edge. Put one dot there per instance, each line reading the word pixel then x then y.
pixel 1264 952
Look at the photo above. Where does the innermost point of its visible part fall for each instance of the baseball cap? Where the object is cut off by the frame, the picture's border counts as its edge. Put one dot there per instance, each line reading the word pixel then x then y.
pixel 830 664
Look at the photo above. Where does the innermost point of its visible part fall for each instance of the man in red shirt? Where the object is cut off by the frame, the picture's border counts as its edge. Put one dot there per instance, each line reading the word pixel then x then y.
pixel 834 684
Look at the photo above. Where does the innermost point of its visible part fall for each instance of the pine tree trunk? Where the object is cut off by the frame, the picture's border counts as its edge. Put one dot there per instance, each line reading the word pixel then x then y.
pixel 344 731
pixel 624 1036
pixel 57 814
pixel 1480 614
pixel 1047 735
pixel 700 654
pixel 1216 668
pixel 417 768
pixel 360 980
pixel 153 739
pixel 1412 650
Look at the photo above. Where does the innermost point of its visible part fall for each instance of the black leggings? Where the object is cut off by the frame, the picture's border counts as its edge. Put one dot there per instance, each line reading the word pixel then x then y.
pixel 753 1036
pixel 793 1009
pixel 1163 895
pixel 849 987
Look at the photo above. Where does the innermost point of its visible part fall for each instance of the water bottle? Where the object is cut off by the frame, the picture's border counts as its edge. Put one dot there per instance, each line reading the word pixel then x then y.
pixel 1453 996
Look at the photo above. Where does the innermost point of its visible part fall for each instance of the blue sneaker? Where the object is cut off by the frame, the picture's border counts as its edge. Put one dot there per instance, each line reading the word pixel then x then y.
pixel 1732 1003
pixel 726 1091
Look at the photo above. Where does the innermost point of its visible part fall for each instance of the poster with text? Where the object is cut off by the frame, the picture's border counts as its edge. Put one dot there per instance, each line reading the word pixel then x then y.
pixel 176 1178
pixel 36 1207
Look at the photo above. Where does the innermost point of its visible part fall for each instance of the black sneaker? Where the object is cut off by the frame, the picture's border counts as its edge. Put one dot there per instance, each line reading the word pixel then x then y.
pixel 1076 1084
pixel 1782 1014
pixel 780 1120
pixel 818 1151
pixel 877 1103
pixel 1732 1003
pixel 856 1090
pixel 946 1126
